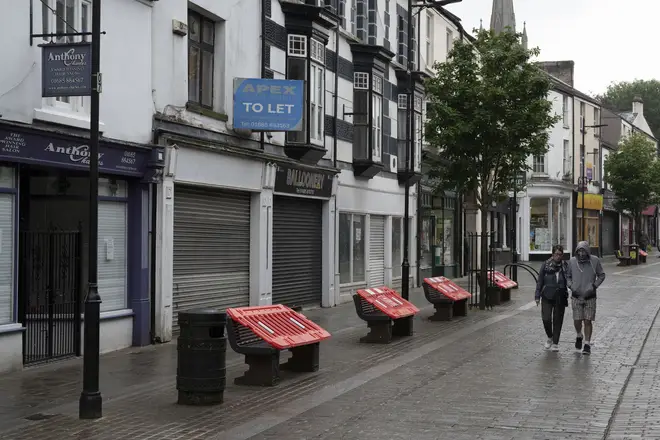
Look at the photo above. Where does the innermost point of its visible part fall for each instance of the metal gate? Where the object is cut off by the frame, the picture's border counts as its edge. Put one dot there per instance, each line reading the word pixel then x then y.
pixel 50 294
pixel 297 251
pixel 211 249
pixel 480 298
pixel 376 251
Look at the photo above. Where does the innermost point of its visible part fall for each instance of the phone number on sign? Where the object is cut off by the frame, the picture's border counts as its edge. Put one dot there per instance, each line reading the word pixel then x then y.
pixel 265 125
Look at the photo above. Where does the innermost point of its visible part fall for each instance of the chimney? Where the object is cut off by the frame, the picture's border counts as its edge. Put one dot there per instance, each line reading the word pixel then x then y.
pixel 638 105
pixel 564 70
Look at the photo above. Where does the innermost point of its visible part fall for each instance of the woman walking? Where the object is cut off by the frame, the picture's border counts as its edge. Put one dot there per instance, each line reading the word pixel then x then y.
pixel 552 293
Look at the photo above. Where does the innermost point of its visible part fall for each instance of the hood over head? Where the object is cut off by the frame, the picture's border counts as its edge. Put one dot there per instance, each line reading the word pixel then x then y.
pixel 583 245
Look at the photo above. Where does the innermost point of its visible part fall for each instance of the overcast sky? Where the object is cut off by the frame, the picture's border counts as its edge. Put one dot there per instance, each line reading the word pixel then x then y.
pixel 609 40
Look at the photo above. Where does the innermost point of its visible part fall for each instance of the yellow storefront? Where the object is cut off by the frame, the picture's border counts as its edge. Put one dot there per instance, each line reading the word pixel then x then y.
pixel 589 218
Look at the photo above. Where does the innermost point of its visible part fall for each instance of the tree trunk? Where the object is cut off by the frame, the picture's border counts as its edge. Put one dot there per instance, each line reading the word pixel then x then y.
pixel 483 264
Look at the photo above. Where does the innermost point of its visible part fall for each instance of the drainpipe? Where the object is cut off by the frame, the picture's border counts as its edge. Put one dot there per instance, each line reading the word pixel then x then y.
pixel 262 139
pixel 334 161
pixel 573 200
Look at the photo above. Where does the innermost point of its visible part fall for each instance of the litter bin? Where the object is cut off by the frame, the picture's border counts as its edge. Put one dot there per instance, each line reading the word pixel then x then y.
pixel 202 354
pixel 633 250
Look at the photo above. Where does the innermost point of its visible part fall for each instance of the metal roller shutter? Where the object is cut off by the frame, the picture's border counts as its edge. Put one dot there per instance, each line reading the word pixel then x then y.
pixel 297 251
pixel 377 251
pixel 211 249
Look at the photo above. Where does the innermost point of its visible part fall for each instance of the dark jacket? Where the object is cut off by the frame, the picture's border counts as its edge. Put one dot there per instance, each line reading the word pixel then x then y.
pixel 550 283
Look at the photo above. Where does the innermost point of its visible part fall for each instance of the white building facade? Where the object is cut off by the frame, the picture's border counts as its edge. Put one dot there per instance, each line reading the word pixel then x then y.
pixel 44 182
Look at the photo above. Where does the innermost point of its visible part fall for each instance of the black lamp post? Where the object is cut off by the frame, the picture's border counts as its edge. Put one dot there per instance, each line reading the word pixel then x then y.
pixel 91 402
pixel 410 115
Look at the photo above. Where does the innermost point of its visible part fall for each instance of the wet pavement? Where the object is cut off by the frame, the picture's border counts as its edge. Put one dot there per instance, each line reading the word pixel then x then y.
pixel 484 376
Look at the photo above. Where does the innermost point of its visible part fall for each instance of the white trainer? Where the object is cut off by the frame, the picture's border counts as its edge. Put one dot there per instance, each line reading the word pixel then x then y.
pixel 554 347
pixel 548 344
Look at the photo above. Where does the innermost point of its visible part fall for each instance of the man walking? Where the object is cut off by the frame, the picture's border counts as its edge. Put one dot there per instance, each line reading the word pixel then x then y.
pixel 585 274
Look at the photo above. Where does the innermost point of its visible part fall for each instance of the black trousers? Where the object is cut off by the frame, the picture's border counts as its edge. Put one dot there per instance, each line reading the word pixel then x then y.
pixel 552 315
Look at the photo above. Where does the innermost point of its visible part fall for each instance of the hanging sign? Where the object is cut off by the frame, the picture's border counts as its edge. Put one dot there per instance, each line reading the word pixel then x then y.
pixel 66 69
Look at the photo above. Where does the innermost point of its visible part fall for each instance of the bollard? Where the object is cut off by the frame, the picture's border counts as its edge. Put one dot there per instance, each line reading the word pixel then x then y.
pixel 201 357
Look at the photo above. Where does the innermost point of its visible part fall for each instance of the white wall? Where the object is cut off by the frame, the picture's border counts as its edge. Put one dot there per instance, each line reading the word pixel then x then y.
pixel 554 158
pixel 591 142
pixel 126 104
pixel 11 349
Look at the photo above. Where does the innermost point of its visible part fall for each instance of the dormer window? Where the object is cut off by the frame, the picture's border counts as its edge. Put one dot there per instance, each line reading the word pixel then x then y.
pixel 306 62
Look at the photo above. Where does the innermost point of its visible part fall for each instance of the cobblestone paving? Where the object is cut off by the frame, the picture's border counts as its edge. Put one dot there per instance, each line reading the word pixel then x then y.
pixel 480 377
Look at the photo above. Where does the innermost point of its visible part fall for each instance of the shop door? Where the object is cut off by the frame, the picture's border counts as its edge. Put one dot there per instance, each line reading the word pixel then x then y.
pixel 297 251
pixel 610 233
pixel 211 249
pixel 377 251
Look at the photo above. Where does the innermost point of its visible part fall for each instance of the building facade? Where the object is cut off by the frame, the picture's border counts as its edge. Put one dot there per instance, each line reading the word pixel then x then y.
pixel 44 189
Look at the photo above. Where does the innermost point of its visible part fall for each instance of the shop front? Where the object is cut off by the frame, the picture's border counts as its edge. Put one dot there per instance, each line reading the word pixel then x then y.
pixel 649 221
pixel 610 229
pixel 588 220
pixel 439 245
pixel 370 234
pixel 44 218
pixel 627 232
pixel 546 213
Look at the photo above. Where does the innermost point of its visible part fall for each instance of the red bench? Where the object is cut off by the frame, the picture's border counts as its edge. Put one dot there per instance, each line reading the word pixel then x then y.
pixel 261 333
pixel 447 297
pixel 503 286
pixel 385 312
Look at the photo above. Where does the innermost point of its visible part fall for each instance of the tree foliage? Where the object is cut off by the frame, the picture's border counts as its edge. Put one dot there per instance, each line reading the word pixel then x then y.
pixel 489 111
pixel 633 173
pixel 620 95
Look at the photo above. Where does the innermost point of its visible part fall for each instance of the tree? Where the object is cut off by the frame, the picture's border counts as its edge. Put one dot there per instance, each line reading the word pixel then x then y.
pixel 633 173
pixel 489 112
pixel 620 95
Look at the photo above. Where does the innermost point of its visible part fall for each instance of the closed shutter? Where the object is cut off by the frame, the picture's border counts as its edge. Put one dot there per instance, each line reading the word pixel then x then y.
pixel 112 255
pixel 211 249
pixel 297 251
pixel 610 233
pixel 6 258
pixel 377 251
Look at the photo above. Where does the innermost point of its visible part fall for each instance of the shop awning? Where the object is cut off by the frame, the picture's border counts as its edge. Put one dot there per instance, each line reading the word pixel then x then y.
pixel 650 211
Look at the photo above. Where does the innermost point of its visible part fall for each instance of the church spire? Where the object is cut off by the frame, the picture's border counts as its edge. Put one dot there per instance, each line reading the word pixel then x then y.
pixel 481 24
pixel 502 16
pixel 524 36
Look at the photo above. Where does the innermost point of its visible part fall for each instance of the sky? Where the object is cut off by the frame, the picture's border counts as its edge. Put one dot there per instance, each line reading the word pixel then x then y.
pixel 609 40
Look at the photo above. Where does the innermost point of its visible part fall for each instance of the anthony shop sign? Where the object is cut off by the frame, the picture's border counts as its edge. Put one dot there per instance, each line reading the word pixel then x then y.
pixel 33 148
pixel 66 69
pixel 299 181
pixel 268 104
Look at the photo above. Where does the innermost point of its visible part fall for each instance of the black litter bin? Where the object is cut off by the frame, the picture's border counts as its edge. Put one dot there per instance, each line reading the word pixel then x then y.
pixel 633 251
pixel 201 361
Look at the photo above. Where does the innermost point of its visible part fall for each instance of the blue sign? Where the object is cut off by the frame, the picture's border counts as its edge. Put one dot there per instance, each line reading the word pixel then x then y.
pixel 269 104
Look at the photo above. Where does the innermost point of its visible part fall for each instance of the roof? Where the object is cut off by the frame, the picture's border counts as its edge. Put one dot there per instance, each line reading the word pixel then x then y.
pixel 628 116
pixel 561 86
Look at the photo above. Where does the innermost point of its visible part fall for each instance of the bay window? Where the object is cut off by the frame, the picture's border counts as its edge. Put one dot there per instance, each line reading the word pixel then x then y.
pixel 367 117
pixel 351 248
pixel 419 130
pixel 306 62
pixel 402 130
pixel 66 16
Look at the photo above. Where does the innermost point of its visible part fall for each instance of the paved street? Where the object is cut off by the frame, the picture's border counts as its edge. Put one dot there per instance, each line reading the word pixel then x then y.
pixel 480 377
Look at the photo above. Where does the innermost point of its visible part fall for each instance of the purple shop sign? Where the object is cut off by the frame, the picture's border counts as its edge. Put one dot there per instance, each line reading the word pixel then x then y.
pixel 16 146
pixel 590 173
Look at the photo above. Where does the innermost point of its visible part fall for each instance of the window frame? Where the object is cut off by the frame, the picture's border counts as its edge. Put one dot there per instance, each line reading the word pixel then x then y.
pixel 567 158
pixel 203 47
pixel 351 253
pixel 376 113
pixel 371 85
pixel 72 104
pixel 429 39
pixel 538 159
pixel 565 111
pixel 312 52
pixel 450 41
pixel 419 131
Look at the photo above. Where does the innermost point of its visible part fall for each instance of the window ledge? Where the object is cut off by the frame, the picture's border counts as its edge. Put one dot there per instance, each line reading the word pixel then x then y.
pixel 55 116
pixel 114 314
pixel 11 328
pixel 353 284
pixel 196 108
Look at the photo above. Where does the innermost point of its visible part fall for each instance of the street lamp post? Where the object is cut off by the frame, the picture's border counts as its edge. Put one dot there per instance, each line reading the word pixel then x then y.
pixel 584 174
pixel 410 115
pixel 91 402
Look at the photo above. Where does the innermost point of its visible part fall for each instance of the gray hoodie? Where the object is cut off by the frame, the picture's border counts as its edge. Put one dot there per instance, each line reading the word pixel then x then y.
pixel 584 275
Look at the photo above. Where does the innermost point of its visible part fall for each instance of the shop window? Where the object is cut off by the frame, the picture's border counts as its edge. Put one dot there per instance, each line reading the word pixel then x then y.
pixel 7 210
pixel 548 223
pixel 367 117
pixel 426 243
pixel 351 248
pixel 55 16
pixel 592 227
pixel 397 246
pixel 201 53
pixel 306 62
pixel 444 233
pixel 112 255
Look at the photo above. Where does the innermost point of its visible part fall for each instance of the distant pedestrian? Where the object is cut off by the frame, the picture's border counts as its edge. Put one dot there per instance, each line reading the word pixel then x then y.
pixel 552 293
pixel 585 274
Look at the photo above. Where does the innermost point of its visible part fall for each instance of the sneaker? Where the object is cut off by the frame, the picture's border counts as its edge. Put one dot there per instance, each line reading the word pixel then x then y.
pixel 578 343
pixel 554 347
pixel 587 349
pixel 548 344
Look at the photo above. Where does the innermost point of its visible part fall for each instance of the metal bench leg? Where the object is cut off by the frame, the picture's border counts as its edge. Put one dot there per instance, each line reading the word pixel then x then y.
pixel 460 308
pixel 444 311
pixel 505 295
pixel 264 370
pixel 403 326
pixel 380 332
pixel 304 359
